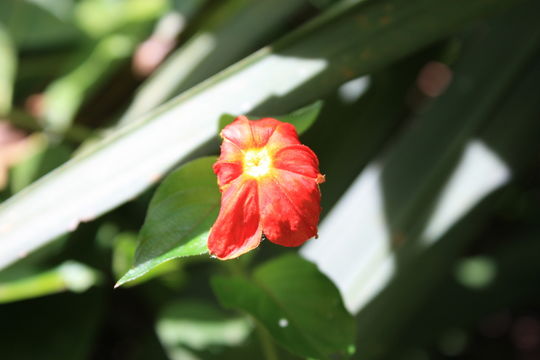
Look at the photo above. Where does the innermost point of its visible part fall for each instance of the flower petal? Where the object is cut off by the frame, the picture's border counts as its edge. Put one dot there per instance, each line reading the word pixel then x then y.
pixel 237 229
pixel 239 133
pixel 290 207
pixel 227 172
pixel 246 134
pixel 284 134
pixel 298 159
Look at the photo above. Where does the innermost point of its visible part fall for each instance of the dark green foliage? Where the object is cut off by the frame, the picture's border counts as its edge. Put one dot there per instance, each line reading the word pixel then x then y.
pixel 425 118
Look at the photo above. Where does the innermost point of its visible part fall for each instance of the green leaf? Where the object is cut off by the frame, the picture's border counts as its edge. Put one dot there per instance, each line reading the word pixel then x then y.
pixel 299 306
pixel 301 68
pixel 226 119
pixel 302 119
pixel 179 218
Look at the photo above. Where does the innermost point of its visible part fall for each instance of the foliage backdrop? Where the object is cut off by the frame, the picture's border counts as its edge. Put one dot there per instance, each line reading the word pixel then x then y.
pixel 424 115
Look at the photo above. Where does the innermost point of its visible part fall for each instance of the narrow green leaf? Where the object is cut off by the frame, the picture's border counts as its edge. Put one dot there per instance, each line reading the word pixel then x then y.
pixel 299 306
pixel 71 276
pixel 302 119
pixel 406 205
pixel 303 67
pixel 233 30
pixel 180 215
pixel 8 65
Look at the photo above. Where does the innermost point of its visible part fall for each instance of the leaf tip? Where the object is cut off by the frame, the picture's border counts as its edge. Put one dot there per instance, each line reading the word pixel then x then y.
pixel 124 279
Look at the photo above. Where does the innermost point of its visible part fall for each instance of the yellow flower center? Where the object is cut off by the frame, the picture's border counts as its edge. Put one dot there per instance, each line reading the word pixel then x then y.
pixel 257 162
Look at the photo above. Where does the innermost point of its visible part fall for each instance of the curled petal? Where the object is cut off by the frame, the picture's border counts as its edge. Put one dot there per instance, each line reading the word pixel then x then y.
pixel 237 229
pixel 289 207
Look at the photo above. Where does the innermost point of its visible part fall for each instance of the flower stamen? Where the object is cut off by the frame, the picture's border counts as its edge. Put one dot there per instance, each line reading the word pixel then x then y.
pixel 257 162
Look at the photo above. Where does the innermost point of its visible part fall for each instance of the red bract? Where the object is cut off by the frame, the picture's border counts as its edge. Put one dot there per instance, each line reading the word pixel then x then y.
pixel 269 185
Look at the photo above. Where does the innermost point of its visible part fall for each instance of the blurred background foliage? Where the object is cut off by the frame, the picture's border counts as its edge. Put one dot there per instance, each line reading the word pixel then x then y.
pixel 427 130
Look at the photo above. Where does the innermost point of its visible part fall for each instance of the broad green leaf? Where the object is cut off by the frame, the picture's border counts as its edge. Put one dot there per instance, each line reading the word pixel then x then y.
pixel 185 327
pixel 304 67
pixel 302 118
pixel 299 306
pixel 70 275
pixel 179 217
pixel 125 245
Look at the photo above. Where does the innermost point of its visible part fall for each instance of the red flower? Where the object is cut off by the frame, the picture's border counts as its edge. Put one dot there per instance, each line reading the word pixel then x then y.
pixel 269 185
